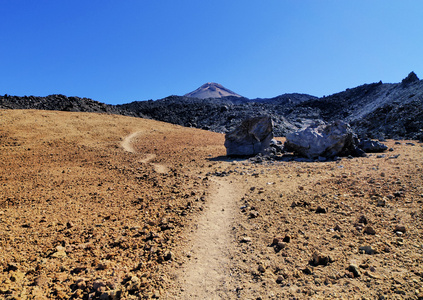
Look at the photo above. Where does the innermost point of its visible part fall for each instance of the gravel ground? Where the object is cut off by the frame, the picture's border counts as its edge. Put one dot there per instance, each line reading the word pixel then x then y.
pixel 81 217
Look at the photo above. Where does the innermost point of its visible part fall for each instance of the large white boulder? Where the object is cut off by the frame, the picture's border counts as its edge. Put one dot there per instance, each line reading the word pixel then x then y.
pixel 322 139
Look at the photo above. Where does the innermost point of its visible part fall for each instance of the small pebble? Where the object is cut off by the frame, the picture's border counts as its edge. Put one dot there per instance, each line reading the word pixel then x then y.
pixel 369 230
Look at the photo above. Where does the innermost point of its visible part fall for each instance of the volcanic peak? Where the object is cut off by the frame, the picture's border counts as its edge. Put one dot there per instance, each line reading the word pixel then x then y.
pixel 211 90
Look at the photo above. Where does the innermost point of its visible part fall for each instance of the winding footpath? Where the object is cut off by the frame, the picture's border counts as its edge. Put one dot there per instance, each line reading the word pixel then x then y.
pixel 206 275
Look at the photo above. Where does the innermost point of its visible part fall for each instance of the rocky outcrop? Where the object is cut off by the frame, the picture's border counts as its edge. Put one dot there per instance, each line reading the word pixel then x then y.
pixel 322 140
pixel 412 77
pixel 253 136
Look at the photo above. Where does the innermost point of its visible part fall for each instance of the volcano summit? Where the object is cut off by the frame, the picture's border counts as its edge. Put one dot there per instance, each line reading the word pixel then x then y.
pixel 211 90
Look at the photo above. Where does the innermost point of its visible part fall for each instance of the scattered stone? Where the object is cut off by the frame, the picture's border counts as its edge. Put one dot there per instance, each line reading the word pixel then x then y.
pixel 369 230
pixel 354 270
pixel 306 271
pixel 276 240
pixel 363 220
pixel 261 269
pixel 320 259
pixel 168 255
pixel 400 228
pixel 276 146
pixel 11 267
pixel 320 210
pixel 286 239
pixel 367 250
pixel 253 214
pixel 280 279
pixel 245 239
pixel 370 146
pixel 381 202
pixel 59 254
pixel 399 194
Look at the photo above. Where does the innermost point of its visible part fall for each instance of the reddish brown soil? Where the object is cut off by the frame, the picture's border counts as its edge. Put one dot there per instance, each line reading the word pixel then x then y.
pixel 111 207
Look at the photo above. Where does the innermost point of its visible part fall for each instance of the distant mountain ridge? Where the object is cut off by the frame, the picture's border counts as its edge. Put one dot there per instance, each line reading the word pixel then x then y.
pixel 211 90
pixel 377 110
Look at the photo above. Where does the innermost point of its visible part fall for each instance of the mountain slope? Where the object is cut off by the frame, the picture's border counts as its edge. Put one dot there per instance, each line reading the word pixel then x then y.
pixel 211 90
pixel 376 110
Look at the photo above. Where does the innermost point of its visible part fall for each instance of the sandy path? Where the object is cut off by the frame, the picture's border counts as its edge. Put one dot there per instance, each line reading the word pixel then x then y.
pixel 127 145
pixel 206 275
pixel 127 142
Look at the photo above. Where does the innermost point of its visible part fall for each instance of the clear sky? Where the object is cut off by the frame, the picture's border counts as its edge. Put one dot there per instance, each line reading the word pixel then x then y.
pixel 123 51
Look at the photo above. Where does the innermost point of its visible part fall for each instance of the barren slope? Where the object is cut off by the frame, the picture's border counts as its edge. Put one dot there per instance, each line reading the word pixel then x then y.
pixel 86 212
pixel 81 216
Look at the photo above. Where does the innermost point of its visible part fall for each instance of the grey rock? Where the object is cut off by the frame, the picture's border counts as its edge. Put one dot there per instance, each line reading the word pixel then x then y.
pixel 355 270
pixel 400 228
pixel 322 140
pixel 369 230
pixel 367 250
pixel 253 136
pixel 280 279
pixel 245 239
pixel 321 210
pixel 363 219
pixel 320 259
pixel 370 146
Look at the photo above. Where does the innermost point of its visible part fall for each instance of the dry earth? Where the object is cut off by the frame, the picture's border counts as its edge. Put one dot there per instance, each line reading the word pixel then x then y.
pixel 111 207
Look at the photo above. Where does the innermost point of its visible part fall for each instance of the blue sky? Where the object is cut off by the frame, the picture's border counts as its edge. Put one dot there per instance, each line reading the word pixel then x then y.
pixel 123 51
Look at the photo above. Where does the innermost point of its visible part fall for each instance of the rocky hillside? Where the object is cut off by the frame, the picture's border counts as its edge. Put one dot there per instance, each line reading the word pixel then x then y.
pixel 377 110
pixel 218 114
pixel 59 102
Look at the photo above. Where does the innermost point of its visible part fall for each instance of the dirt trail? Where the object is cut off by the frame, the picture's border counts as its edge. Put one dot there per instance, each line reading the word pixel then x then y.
pixel 127 142
pixel 206 275
pixel 127 145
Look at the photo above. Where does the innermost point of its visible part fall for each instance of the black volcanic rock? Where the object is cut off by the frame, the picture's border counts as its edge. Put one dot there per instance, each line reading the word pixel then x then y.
pixel 218 114
pixel 412 77
pixel 60 102
pixel 377 110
